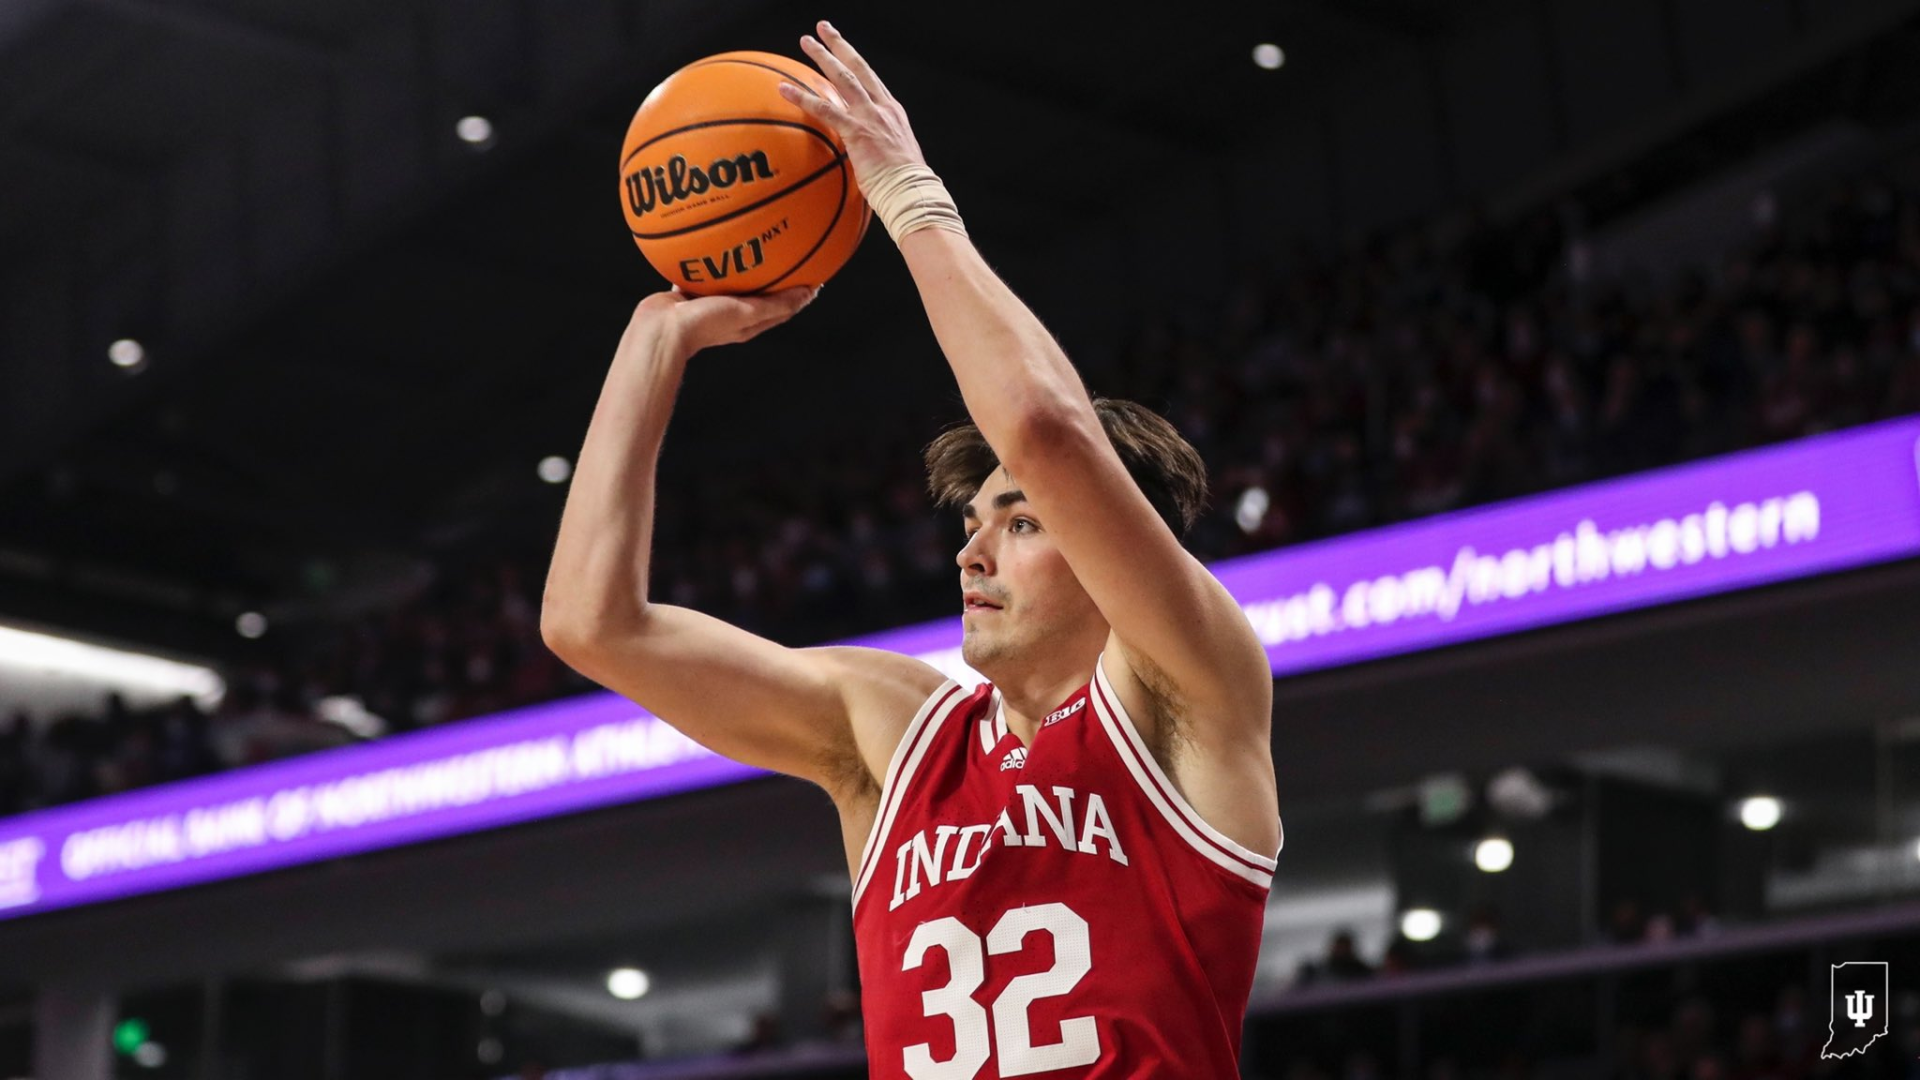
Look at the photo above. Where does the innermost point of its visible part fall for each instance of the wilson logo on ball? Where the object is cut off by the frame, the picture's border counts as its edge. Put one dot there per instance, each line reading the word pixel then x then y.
pixel 664 185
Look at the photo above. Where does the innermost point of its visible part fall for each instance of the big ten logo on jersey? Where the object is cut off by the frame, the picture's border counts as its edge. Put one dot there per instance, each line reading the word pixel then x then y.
pixel 651 187
pixel 1058 715
pixel 736 260
pixel 921 863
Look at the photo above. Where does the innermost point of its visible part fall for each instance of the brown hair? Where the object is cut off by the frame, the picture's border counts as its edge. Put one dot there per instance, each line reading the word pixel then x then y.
pixel 1167 468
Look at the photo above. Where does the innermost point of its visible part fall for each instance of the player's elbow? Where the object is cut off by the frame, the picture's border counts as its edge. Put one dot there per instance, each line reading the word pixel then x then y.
pixel 561 636
pixel 574 621
pixel 1048 429
pixel 567 631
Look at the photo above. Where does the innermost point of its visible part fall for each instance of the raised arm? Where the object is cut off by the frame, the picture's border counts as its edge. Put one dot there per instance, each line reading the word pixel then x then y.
pixel 824 715
pixel 1177 629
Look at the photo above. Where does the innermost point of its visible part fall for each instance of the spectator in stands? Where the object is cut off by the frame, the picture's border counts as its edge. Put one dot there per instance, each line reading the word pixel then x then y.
pixel 1797 1043
pixel 1693 1029
pixel 1362 1065
pixel 1626 925
pixel 1658 1059
pixel 1754 1056
pixel 1484 942
pixel 16 768
pixel 184 744
pixel 69 752
pixel 1694 919
pixel 765 1035
pixel 1397 958
pixel 845 1023
pixel 1343 963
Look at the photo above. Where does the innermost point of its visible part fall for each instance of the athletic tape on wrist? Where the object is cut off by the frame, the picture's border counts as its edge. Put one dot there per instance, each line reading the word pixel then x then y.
pixel 908 198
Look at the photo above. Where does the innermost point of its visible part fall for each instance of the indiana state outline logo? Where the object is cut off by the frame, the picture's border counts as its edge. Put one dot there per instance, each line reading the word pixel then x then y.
pixel 1857 1007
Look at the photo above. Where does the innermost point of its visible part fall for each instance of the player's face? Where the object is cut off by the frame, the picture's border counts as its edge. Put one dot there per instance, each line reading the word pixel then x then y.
pixel 1018 594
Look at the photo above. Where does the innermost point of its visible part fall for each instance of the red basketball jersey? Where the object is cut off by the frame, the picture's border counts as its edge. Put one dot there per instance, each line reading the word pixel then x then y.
pixel 1055 909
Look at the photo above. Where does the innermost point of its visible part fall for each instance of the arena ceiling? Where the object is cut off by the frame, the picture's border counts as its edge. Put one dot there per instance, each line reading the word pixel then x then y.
pixel 361 334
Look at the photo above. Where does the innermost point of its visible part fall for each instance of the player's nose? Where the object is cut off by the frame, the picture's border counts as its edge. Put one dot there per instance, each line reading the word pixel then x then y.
pixel 974 554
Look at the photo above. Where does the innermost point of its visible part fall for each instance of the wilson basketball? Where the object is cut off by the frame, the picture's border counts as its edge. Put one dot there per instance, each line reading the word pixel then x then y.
pixel 728 188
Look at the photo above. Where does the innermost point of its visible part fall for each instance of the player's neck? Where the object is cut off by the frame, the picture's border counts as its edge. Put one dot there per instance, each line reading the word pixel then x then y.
pixel 1031 694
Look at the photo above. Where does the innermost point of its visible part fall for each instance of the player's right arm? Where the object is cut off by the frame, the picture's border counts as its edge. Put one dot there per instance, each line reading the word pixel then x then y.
pixel 788 710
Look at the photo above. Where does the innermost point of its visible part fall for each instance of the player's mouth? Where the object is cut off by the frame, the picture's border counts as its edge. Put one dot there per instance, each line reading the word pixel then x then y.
pixel 978 602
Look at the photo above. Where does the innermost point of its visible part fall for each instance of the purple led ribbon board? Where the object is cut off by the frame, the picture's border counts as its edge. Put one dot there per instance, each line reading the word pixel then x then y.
pixel 1818 505
pixel 1815 506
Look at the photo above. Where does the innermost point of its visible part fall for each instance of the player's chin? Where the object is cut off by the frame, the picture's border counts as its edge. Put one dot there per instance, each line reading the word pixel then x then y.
pixel 978 647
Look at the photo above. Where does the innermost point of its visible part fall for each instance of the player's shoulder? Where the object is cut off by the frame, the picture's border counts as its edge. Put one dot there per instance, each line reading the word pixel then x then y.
pixel 883 691
pixel 878 676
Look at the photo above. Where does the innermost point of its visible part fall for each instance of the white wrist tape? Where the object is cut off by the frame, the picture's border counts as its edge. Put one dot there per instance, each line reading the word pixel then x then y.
pixel 908 198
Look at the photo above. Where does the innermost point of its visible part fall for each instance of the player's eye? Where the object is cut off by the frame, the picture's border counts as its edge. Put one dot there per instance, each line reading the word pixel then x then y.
pixel 1017 522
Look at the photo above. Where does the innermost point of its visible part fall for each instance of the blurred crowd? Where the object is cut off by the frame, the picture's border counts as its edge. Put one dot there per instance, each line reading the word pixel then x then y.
pixel 1437 368
pixel 1482 940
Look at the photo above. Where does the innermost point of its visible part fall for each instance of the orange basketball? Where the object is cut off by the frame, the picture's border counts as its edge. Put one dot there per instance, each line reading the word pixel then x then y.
pixel 727 188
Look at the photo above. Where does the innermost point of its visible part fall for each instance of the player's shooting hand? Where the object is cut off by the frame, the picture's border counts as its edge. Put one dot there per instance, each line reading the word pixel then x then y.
pixel 868 119
pixel 692 323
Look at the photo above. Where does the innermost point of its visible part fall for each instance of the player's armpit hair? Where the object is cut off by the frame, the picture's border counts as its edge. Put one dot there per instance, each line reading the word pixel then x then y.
pixel 1167 467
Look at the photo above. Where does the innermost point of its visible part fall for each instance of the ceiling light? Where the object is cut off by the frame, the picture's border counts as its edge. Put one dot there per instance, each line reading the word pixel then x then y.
pixel 126 353
pixel 251 625
pixel 1760 813
pixel 555 469
pixel 351 713
pixel 474 130
pixel 39 652
pixel 1252 509
pixel 1269 56
pixel 1516 792
pixel 627 984
pixel 1420 924
pixel 1493 854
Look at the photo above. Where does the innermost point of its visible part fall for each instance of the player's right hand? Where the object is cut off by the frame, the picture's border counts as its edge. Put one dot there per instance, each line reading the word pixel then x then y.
pixel 701 322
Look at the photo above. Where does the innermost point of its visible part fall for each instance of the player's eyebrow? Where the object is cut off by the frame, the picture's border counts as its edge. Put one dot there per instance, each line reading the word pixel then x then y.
pixel 1000 502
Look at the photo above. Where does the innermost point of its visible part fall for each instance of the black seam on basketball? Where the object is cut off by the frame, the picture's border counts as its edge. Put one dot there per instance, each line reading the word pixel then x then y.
pixel 823 170
pixel 808 128
pixel 787 75
pixel 837 211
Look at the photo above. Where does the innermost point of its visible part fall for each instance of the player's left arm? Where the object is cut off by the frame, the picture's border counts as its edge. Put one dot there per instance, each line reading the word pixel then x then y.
pixel 1182 656
pixel 1184 644
pixel 1176 629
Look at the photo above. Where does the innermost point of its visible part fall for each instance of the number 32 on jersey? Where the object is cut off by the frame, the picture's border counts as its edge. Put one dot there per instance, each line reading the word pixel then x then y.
pixel 1079 1039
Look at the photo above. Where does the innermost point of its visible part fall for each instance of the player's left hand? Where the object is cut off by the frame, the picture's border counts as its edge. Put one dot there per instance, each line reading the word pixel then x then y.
pixel 867 118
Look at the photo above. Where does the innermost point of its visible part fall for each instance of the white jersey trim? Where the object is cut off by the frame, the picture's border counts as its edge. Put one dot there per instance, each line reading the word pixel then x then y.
pixel 901 768
pixel 993 728
pixel 1202 837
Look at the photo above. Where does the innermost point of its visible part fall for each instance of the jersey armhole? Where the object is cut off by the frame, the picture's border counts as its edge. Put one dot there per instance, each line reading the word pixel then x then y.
pixel 1216 846
pixel 907 755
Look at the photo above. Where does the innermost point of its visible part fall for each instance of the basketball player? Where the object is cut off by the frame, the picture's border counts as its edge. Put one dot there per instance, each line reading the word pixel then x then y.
pixel 1063 871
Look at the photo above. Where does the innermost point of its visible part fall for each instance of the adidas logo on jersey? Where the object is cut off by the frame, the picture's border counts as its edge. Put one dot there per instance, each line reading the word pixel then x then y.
pixel 1016 759
pixel 1058 715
